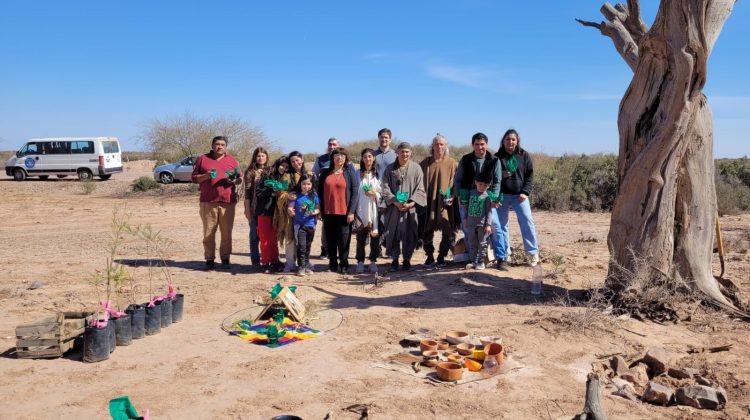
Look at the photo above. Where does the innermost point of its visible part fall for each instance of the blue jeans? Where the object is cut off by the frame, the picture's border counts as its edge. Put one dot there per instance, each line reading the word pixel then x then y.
pixel 499 242
pixel 525 222
pixel 254 241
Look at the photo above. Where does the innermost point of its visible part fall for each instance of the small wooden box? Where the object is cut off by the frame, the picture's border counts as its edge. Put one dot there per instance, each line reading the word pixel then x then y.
pixel 52 336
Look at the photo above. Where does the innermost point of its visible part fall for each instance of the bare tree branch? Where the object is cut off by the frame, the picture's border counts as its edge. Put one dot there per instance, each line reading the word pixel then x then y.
pixel 625 27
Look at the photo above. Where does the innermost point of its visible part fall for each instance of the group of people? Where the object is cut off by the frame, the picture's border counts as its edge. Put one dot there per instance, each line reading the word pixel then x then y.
pixel 388 202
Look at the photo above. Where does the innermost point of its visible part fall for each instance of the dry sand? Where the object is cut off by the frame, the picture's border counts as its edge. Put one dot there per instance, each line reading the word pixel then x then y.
pixel 54 233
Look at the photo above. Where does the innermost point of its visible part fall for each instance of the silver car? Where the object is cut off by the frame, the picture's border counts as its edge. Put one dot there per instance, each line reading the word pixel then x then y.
pixel 178 171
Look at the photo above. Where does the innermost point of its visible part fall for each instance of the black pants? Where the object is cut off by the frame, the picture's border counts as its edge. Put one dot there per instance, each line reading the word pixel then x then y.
pixel 445 242
pixel 304 236
pixel 338 237
pixel 362 239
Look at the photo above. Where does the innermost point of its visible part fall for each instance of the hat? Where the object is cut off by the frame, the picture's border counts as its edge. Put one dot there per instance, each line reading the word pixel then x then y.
pixel 404 145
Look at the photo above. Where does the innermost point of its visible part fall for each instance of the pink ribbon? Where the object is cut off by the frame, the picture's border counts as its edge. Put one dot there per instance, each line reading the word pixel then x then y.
pixel 109 311
pixel 169 295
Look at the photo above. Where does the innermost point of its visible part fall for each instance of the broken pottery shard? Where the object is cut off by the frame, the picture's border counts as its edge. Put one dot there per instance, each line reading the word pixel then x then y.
pixel 700 396
pixel 657 360
pixel 657 394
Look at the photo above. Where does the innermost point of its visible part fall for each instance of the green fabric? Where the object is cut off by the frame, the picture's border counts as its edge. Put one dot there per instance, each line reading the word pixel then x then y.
pixel 512 164
pixel 121 408
pixel 402 196
pixel 276 185
pixel 445 194
pixel 276 290
pixel 495 198
pixel 463 196
pixel 234 173
pixel 213 173
pixel 366 188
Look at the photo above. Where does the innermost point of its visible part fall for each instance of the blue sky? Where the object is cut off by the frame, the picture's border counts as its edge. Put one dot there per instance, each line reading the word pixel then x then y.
pixel 304 71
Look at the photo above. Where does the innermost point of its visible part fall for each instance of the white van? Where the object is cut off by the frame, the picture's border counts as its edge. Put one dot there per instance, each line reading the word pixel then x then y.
pixel 84 157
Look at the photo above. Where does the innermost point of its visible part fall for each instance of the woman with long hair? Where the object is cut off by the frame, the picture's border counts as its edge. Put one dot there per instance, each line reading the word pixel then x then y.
pixel 516 185
pixel 366 215
pixel 338 191
pixel 256 170
pixel 282 222
pixel 265 208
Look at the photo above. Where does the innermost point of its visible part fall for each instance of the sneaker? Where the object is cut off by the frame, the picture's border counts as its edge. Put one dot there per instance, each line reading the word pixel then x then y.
pixel 407 266
pixel 440 261
pixel 429 262
pixel 301 272
pixel 373 267
pixel 502 265
pixel 534 259
pixel 210 264
pixel 470 266
pixel 394 265
pixel 267 269
pixel 309 270
pixel 479 266
pixel 360 267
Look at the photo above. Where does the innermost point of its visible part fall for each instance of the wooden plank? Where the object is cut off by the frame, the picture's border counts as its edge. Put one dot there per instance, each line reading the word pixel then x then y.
pixel 296 308
pixel 38 328
pixel 30 343
pixel 67 345
pixel 34 354
pixel 45 336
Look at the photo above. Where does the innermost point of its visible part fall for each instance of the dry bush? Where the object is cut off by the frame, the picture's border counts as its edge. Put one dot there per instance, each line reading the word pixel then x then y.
pixel 88 186
pixel 589 315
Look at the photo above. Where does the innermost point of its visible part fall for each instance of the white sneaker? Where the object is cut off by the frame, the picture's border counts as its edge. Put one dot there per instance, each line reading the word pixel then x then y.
pixel 470 266
pixel 479 266
pixel 373 268
pixel 534 259
pixel 360 268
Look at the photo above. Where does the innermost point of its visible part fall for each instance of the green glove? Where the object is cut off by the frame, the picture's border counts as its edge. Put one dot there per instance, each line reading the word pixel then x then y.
pixel 402 197
pixel 213 173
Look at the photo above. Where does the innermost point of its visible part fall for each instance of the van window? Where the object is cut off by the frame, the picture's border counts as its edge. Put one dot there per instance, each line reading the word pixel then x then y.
pixel 58 148
pixel 110 147
pixel 82 147
pixel 29 149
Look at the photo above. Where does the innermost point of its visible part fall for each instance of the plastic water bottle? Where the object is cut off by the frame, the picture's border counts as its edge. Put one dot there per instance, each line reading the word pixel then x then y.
pixel 536 280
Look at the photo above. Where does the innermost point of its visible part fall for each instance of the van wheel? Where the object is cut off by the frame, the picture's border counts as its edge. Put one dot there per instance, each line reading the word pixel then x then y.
pixel 84 175
pixel 166 178
pixel 105 177
pixel 44 177
pixel 19 175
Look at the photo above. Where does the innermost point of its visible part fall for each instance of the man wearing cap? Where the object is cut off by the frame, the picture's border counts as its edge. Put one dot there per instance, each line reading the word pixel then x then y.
pixel 403 190
pixel 217 173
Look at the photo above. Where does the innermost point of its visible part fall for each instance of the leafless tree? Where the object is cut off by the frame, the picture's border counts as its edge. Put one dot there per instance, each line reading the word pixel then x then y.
pixel 665 209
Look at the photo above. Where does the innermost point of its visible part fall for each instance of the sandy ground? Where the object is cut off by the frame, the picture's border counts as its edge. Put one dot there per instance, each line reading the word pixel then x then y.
pixel 54 233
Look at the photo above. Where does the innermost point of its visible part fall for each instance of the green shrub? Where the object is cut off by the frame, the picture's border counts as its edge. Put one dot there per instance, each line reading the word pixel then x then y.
pixel 145 183
pixel 88 186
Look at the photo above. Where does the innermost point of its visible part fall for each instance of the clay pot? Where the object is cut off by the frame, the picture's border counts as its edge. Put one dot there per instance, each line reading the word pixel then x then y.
pixel 443 345
pixel 456 337
pixel 449 371
pixel 465 349
pixel 495 350
pixel 428 344
pixel 449 353
pixel 430 362
pixel 430 354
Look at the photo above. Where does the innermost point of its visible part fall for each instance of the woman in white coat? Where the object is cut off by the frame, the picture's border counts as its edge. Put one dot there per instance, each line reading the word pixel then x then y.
pixel 366 215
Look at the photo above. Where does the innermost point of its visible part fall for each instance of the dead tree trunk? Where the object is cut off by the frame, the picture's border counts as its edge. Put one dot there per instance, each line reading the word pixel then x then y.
pixel 665 208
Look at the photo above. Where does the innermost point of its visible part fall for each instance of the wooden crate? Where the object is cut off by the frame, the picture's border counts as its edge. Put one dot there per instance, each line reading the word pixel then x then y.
pixel 51 336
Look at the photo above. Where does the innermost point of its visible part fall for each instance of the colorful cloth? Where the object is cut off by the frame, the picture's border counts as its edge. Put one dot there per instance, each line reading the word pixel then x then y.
pixel 295 331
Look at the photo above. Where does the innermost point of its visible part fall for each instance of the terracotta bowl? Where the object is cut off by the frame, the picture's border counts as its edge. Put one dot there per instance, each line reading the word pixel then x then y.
pixel 430 362
pixel 456 337
pixel 443 345
pixel 449 353
pixel 430 354
pixel 455 358
pixel 449 371
pixel 465 349
pixel 428 344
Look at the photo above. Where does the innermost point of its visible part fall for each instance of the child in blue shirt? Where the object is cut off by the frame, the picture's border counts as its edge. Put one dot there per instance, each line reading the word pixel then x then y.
pixel 304 209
